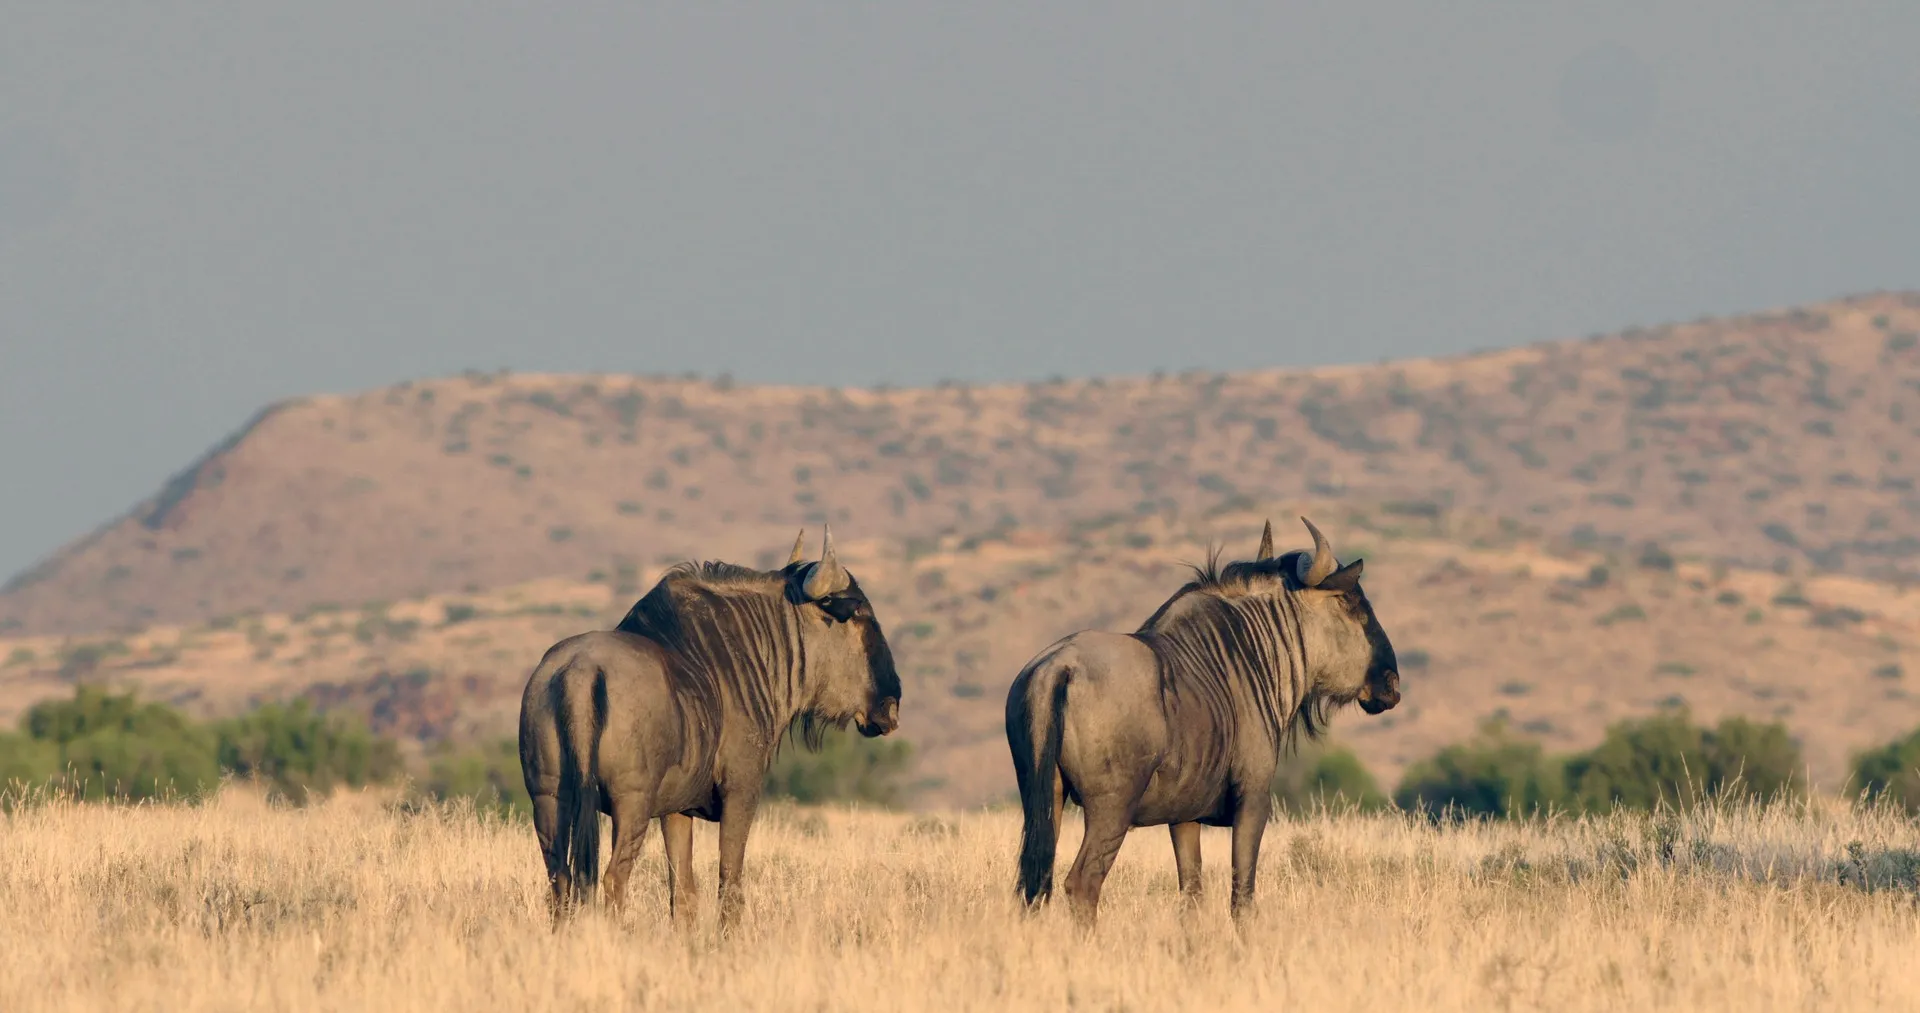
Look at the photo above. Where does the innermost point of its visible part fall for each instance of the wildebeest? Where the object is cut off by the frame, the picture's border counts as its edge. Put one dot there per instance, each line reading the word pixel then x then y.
pixel 677 712
pixel 1182 722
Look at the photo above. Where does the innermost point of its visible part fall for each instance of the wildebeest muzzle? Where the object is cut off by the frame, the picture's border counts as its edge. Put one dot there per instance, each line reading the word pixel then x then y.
pixel 1380 695
pixel 879 721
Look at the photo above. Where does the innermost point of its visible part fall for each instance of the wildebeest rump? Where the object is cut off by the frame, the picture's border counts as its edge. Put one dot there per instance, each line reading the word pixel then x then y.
pixel 1182 722
pixel 676 714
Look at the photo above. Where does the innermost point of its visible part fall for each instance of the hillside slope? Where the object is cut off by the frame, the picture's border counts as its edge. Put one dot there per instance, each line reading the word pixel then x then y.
pixel 1782 439
pixel 1485 617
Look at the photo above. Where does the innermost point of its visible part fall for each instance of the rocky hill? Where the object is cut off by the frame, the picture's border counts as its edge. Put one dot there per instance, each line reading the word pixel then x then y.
pixel 1782 440
pixel 1488 618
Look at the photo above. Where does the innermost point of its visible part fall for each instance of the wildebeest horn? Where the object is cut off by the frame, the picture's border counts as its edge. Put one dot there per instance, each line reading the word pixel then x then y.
pixel 827 576
pixel 1323 562
pixel 1266 544
pixel 799 548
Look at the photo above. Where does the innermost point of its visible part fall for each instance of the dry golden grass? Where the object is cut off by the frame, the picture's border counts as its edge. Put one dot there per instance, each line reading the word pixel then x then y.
pixel 353 904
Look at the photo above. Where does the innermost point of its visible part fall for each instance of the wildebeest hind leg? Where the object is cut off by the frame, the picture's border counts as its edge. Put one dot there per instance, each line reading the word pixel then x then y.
pixel 546 828
pixel 631 813
pixel 1107 822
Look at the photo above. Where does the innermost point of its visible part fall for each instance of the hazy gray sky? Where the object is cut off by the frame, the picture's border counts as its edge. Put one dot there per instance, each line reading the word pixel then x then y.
pixel 202 210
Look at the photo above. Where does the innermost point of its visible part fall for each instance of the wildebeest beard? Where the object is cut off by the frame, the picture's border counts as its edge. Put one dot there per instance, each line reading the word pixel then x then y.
pixel 885 682
pixel 812 725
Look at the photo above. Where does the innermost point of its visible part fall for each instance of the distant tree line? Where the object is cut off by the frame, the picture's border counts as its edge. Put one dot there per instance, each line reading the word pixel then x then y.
pixel 99 745
pixel 102 745
pixel 1639 764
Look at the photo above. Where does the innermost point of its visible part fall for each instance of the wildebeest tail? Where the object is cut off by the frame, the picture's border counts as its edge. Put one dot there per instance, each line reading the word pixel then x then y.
pixel 1033 731
pixel 581 711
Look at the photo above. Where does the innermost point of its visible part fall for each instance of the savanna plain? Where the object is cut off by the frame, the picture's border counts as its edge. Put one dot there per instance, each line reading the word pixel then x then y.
pixel 363 901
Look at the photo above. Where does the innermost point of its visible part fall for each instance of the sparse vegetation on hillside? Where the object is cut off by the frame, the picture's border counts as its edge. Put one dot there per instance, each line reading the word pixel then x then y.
pixel 1761 440
pixel 1488 618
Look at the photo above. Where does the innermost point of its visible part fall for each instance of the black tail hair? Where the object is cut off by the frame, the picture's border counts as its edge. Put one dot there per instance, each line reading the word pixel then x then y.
pixel 580 714
pixel 1034 734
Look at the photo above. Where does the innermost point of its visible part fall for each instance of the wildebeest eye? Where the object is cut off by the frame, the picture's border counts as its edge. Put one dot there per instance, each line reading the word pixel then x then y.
pixel 841 609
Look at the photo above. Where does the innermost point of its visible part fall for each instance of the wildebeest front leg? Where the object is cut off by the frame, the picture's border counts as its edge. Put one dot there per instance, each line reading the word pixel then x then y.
pixel 736 818
pixel 682 897
pixel 1248 825
pixel 1186 858
pixel 546 828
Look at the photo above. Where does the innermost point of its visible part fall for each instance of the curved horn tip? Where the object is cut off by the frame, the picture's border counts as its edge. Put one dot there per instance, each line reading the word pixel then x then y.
pixel 1266 543
pixel 828 575
pixel 1324 561
pixel 799 548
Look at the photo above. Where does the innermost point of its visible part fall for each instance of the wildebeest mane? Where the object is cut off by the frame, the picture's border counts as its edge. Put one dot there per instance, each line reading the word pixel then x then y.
pixel 1213 638
pixel 733 636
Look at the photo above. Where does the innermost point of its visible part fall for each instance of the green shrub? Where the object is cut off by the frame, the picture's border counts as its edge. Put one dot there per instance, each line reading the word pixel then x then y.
pixel 108 745
pixel 25 760
pixel 1892 772
pixel 141 765
pixel 1493 774
pixel 1321 775
pixel 1666 758
pixel 297 751
pixel 1653 557
pixel 848 768
pixel 1621 614
pixel 1758 761
pixel 98 744
pixel 489 775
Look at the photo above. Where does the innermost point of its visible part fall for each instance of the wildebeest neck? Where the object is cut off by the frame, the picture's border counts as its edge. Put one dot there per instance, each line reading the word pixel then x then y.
pixel 733 639
pixel 1247 648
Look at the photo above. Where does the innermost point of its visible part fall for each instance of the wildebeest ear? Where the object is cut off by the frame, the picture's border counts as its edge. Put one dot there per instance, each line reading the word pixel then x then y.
pixel 1266 544
pixel 1345 579
pixel 828 575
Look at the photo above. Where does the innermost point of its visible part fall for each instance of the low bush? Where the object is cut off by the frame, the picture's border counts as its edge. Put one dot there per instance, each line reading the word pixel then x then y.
pixel 295 751
pixel 489 775
pixel 1329 776
pixel 1641 764
pixel 847 768
pixel 1666 758
pixel 98 744
pixel 1496 773
pixel 101 745
pixel 1892 772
